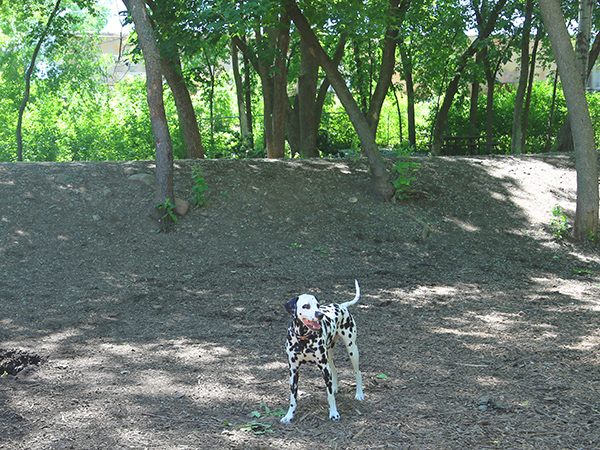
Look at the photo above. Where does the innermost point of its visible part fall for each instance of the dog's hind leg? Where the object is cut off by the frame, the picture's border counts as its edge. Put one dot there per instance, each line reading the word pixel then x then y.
pixel 353 352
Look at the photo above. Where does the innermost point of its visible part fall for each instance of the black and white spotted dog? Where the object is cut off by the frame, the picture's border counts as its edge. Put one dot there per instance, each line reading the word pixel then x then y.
pixel 313 332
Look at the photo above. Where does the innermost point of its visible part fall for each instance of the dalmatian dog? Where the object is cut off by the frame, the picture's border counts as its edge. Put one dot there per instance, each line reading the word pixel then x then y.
pixel 312 335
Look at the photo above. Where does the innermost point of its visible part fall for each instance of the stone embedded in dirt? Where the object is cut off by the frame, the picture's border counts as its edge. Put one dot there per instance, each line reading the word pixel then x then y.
pixel 144 178
pixel 13 361
pixel 181 207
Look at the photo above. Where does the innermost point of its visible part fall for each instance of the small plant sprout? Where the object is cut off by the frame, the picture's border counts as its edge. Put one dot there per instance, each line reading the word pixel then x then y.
pixel 199 188
pixel 559 224
pixel 167 209
pixel 405 168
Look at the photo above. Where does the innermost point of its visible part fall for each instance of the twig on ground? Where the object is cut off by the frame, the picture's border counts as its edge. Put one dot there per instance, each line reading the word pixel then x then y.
pixel 426 228
pixel 543 413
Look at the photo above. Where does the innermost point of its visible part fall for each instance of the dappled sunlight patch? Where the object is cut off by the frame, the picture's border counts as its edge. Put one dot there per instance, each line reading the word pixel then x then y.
pixel 466 226
pixel 587 343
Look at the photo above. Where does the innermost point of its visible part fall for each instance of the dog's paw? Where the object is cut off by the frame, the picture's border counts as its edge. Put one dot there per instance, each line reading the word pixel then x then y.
pixel 287 418
pixel 360 396
pixel 334 414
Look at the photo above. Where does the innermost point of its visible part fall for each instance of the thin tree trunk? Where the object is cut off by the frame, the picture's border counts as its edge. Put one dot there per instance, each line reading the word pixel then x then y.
pixel 158 117
pixel 407 68
pixel 239 91
pixel 28 80
pixel 527 106
pixel 280 98
pixel 517 126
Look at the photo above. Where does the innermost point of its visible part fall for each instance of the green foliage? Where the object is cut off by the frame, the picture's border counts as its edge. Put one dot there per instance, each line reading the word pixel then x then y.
pixel 559 224
pixel 199 188
pixel 168 218
pixel 406 169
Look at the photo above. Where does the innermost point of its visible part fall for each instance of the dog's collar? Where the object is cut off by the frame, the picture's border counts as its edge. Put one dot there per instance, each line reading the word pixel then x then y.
pixel 301 337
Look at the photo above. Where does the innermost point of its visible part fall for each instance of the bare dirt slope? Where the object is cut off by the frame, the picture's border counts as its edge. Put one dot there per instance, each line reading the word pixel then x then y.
pixel 483 336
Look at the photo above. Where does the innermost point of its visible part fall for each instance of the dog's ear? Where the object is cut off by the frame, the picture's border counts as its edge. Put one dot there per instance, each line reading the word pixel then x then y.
pixel 291 306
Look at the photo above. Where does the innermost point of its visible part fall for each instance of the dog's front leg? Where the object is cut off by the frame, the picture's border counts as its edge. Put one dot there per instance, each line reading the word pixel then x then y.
pixel 327 375
pixel 293 394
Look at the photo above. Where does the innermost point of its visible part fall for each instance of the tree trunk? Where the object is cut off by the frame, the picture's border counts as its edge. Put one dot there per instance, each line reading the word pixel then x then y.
pixel 475 97
pixel 239 91
pixel 280 98
pixel 28 80
pixel 517 127
pixel 381 180
pixel 183 102
pixel 158 118
pixel 586 160
pixel 407 69
pixel 442 117
pixel 530 82
pixel 586 59
pixel 305 109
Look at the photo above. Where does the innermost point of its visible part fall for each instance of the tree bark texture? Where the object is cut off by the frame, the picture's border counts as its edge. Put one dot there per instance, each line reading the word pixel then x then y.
pixel 183 102
pixel 158 118
pixel 380 176
pixel 587 59
pixel 586 160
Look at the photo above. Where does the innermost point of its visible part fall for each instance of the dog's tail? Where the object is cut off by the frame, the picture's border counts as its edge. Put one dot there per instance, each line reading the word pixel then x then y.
pixel 350 303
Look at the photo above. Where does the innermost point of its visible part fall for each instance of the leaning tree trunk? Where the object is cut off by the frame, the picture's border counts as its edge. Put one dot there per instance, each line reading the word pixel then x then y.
pixel 158 117
pixel 586 159
pixel 381 179
pixel 183 102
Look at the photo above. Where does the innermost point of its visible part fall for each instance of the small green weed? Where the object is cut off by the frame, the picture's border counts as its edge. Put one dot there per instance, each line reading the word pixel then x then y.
pixel 257 427
pixel 199 188
pixel 559 224
pixel 167 210
pixel 321 250
pixel 405 168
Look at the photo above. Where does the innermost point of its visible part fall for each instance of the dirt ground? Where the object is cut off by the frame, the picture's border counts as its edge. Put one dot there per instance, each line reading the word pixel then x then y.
pixel 485 335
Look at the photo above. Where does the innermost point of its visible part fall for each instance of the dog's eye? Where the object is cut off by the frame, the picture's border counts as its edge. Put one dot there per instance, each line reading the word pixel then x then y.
pixel 306 306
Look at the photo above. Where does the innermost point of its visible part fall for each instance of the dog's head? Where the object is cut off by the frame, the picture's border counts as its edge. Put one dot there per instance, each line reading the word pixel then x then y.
pixel 306 309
